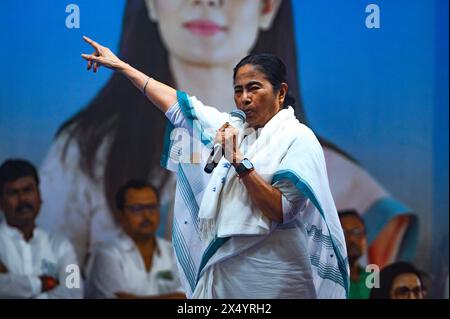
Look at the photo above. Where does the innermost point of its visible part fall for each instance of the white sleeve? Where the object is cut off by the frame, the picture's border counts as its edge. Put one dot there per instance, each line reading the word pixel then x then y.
pixel 19 286
pixel 194 127
pixel 70 279
pixel 175 116
pixel 195 112
pixel 293 202
pixel 106 276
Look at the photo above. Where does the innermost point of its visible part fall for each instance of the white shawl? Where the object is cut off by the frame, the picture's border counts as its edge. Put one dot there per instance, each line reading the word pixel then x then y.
pixel 226 208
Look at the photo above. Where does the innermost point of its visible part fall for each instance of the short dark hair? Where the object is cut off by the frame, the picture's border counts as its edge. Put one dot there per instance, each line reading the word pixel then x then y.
pixel 273 68
pixel 13 169
pixel 351 212
pixel 132 184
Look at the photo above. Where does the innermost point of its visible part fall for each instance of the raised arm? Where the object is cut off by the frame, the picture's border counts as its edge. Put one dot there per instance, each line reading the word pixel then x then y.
pixel 163 96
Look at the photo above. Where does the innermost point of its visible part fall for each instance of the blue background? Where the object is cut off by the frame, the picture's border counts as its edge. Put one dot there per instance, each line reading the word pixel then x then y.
pixel 380 94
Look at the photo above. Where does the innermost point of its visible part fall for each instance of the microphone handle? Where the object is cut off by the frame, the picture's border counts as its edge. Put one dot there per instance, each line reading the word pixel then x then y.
pixel 237 119
pixel 214 158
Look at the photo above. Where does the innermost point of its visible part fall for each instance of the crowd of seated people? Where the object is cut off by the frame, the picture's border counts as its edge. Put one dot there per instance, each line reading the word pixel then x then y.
pixel 37 264
pixel 138 264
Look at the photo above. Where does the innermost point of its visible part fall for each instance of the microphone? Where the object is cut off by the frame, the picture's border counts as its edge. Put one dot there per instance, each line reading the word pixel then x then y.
pixel 237 119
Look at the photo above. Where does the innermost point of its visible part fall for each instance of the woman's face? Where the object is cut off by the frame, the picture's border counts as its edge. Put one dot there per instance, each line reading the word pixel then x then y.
pixel 255 95
pixel 211 32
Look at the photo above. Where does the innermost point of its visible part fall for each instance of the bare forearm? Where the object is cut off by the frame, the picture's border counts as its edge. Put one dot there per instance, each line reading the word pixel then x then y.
pixel 161 95
pixel 264 196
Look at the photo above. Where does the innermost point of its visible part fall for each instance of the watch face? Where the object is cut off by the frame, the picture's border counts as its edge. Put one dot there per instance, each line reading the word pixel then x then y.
pixel 244 166
pixel 247 164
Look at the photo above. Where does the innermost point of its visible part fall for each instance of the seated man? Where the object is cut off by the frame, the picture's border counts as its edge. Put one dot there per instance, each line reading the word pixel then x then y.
pixel 356 242
pixel 33 263
pixel 138 264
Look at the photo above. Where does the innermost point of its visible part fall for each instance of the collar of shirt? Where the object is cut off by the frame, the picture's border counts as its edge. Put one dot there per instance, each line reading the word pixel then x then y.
pixel 127 244
pixel 16 234
pixel 24 257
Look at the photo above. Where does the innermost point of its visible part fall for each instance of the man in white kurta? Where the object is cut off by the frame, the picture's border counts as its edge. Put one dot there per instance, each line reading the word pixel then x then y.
pixel 118 268
pixel 33 262
pixel 26 262
pixel 137 264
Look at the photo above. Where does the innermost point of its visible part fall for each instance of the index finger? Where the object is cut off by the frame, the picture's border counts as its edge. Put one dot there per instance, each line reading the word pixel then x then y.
pixel 92 42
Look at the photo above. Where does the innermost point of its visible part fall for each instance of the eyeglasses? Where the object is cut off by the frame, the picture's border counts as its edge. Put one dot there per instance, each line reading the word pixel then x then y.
pixel 140 209
pixel 405 292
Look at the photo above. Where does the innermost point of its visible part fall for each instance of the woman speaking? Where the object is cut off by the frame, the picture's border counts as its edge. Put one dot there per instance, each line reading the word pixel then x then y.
pixel 263 224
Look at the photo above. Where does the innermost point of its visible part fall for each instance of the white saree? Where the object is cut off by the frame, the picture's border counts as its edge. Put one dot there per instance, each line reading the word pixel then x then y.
pixel 249 256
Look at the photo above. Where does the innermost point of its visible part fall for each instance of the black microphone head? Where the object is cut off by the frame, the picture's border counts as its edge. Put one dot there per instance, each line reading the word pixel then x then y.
pixel 238 115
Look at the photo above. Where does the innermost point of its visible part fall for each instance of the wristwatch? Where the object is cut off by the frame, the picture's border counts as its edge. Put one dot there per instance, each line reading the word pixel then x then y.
pixel 245 166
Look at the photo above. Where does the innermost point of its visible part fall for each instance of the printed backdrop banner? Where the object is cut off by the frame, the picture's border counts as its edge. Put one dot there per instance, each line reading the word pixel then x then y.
pixel 372 80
